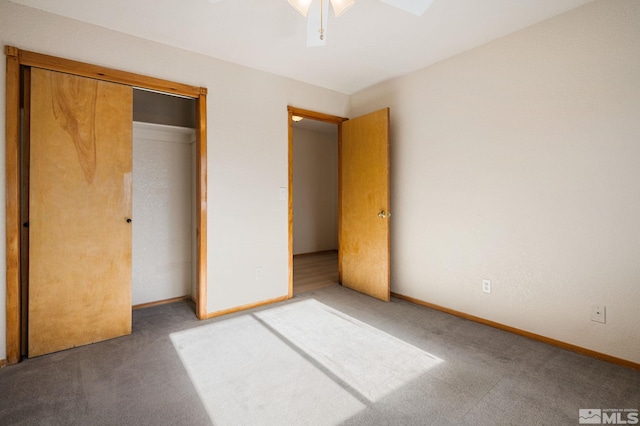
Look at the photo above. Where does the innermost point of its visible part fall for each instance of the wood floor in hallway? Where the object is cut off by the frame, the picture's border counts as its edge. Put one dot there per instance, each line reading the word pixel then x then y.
pixel 315 270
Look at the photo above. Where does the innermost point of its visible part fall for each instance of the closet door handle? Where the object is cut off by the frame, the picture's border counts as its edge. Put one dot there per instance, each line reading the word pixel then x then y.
pixel 128 220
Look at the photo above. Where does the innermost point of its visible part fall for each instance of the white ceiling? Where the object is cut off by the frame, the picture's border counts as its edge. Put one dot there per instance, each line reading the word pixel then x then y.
pixel 370 43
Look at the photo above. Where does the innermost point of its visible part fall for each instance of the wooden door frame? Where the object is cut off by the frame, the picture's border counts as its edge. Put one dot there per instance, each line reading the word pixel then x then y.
pixel 327 118
pixel 16 59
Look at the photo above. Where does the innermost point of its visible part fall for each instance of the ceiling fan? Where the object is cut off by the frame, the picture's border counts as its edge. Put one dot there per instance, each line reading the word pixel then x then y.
pixel 317 16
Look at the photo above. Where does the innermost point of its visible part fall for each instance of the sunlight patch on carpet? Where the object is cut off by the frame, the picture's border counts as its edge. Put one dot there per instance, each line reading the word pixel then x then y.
pixel 372 362
pixel 244 374
pixel 299 363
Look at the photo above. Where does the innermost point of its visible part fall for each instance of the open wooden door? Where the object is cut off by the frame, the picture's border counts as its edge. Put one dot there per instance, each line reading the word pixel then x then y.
pixel 364 197
pixel 79 211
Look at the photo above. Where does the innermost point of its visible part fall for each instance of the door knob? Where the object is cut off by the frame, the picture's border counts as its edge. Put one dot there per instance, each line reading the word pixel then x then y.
pixel 382 214
pixel 128 220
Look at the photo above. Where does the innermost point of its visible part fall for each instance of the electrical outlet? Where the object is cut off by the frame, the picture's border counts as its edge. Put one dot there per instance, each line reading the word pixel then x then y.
pixel 598 313
pixel 486 286
pixel 258 273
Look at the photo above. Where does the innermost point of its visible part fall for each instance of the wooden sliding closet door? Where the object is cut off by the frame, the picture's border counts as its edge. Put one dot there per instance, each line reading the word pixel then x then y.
pixel 79 211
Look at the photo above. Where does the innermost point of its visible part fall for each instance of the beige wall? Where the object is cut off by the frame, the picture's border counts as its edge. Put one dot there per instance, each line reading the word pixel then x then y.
pixel 518 162
pixel 315 191
pixel 246 163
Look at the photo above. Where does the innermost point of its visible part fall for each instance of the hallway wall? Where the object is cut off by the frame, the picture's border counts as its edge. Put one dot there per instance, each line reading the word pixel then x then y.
pixel 315 191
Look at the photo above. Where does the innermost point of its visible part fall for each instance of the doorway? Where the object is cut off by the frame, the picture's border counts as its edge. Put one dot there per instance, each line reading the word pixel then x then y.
pixel 315 204
pixel 320 129
pixel 163 199
pixel 363 200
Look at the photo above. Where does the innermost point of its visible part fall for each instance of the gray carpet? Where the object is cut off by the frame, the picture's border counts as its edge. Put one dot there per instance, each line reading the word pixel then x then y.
pixel 415 366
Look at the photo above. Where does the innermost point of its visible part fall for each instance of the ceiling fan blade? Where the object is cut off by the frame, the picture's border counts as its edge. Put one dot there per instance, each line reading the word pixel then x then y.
pixel 415 7
pixel 341 6
pixel 314 24
pixel 302 6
